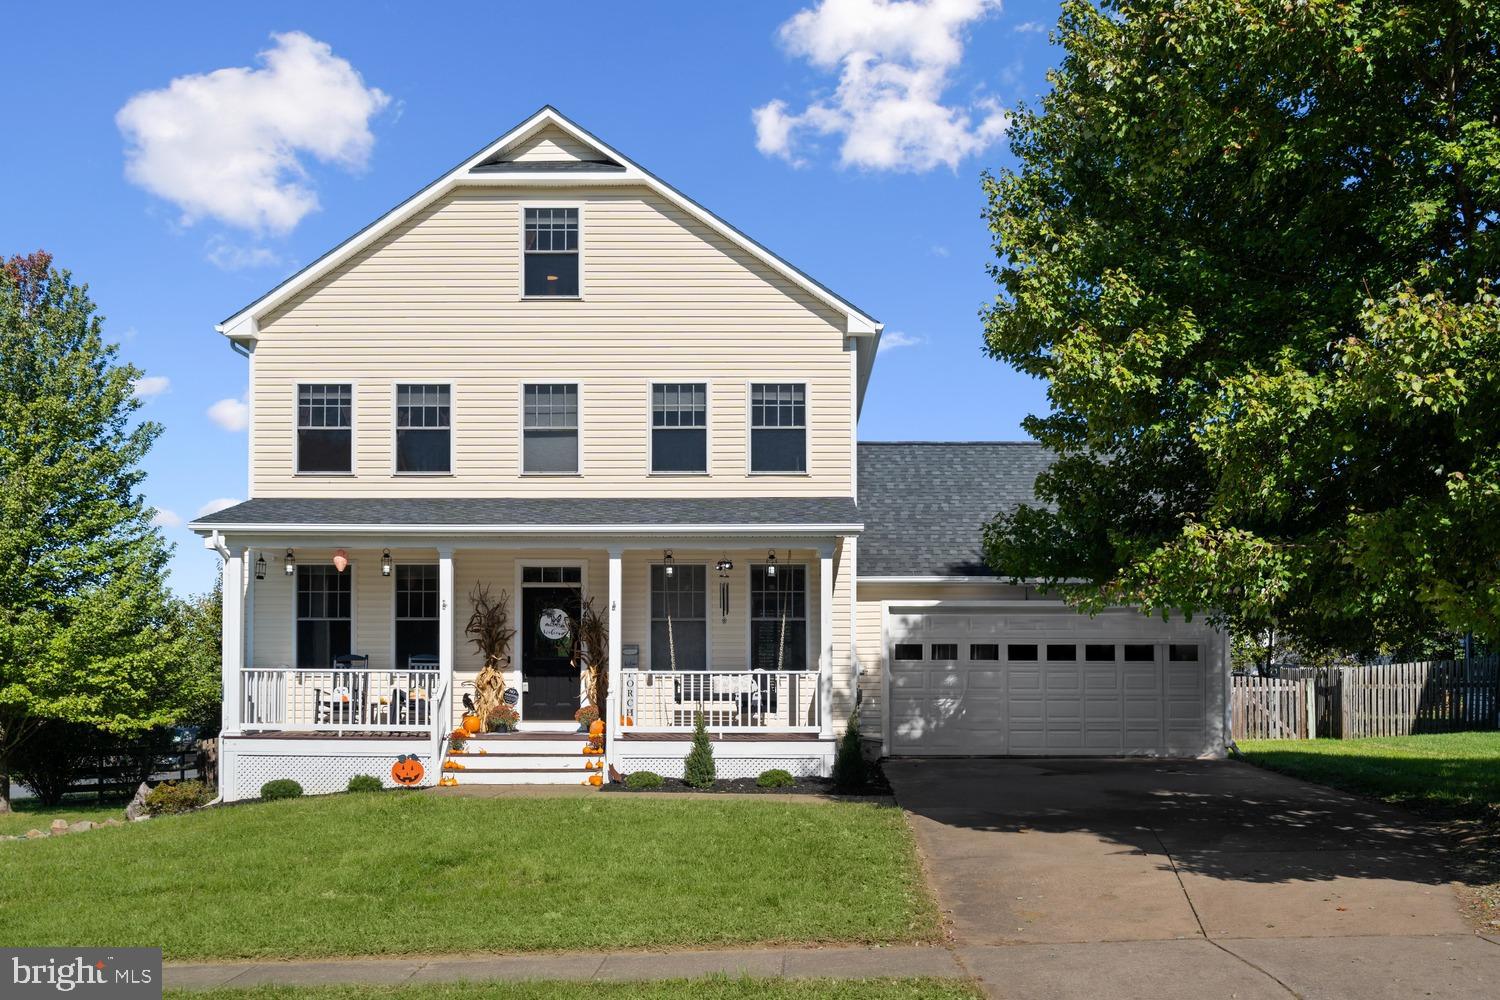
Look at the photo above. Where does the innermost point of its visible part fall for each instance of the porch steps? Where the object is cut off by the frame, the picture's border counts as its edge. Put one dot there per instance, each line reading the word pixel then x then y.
pixel 523 759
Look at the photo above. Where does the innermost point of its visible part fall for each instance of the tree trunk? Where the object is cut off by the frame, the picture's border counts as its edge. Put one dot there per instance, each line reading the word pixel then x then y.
pixel 4 790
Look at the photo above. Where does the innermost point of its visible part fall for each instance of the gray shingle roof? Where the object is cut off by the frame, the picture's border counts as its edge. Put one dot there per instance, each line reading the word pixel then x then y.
pixel 924 502
pixel 536 512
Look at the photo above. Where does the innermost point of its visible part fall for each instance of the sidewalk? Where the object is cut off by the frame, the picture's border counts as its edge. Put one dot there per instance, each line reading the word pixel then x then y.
pixel 794 963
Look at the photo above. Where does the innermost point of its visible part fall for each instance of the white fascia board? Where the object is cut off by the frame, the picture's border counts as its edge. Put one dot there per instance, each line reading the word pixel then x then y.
pixel 859 324
pixel 940 579
pixel 450 530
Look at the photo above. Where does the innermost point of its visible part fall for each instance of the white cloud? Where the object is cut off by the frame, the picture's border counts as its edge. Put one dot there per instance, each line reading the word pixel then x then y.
pixel 151 385
pixel 895 338
pixel 166 518
pixel 230 414
pixel 216 505
pixel 227 256
pixel 894 60
pixel 229 144
pixel 1030 28
pixel 938 250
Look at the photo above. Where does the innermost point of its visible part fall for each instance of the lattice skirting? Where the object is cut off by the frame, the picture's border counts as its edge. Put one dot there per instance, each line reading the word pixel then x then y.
pixel 316 775
pixel 727 767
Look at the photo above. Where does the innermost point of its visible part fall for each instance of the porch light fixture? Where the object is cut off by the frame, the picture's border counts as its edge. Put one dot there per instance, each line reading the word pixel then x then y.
pixel 666 561
pixel 385 563
pixel 290 566
pixel 260 566
pixel 771 563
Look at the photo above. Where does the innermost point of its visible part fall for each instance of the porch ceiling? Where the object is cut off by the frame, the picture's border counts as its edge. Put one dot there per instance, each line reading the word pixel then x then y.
pixel 502 515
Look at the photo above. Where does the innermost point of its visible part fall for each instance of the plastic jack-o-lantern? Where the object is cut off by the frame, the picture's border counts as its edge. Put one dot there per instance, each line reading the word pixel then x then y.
pixel 407 770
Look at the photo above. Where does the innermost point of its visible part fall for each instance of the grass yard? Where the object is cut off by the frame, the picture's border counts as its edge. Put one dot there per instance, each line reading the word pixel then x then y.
pixel 1452 775
pixel 29 814
pixel 407 873
pixel 718 988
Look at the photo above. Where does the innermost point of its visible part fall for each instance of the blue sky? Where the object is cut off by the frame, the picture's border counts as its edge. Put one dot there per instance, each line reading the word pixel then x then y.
pixel 846 135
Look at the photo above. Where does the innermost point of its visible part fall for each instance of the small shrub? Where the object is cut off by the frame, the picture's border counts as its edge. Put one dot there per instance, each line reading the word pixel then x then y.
pixel 456 743
pixel 775 778
pixel 699 770
pixel 850 772
pixel 365 783
pixel 281 788
pixel 586 716
pixel 172 797
pixel 641 780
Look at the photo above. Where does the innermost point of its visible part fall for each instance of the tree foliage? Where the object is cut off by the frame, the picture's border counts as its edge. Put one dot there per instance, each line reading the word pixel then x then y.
pixel 88 632
pixel 1251 248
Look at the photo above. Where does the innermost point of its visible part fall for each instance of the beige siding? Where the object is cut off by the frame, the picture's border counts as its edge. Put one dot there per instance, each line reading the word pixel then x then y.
pixel 550 145
pixel 871 643
pixel 438 300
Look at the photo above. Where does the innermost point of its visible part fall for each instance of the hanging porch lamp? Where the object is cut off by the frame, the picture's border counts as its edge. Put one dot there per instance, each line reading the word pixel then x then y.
pixel 385 563
pixel 666 561
pixel 290 565
pixel 260 566
pixel 771 563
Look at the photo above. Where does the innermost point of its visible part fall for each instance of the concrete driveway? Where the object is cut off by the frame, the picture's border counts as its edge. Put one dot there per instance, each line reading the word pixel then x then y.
pixel 1152 878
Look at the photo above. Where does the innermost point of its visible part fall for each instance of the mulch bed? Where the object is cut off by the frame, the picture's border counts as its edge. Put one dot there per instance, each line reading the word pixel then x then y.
pixel 742 786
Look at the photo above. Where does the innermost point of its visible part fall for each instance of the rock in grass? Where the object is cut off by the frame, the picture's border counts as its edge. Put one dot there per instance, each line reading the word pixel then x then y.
pixel 34 834
pixel 59 826
pixel 137 807
pixel 82 826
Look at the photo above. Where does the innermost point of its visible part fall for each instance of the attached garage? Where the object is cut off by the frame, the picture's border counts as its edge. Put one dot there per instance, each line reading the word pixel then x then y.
pixel 995 680
pixel 955 661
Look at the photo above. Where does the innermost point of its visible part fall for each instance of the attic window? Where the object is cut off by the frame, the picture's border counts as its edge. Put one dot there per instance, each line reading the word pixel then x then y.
pixel 551 265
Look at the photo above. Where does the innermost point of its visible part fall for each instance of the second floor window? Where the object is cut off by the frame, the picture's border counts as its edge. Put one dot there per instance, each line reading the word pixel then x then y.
pixel 325 427
pixel 549 428
pixel 551 264
pixel 424 428
pixel 679 427
pixel 778 427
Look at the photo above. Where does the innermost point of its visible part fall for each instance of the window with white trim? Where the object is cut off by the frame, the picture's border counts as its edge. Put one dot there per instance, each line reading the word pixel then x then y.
pixel 416 613
pixel 324 604
pixel 778 427
pixel 679 427
pixel 550 428
pixel 778 617
pixel 679 618
pixel 325 427
pixel 551 256
pixel 424 432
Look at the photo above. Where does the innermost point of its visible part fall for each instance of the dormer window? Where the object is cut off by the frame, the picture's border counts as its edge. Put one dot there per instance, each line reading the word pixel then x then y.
pixel 551 264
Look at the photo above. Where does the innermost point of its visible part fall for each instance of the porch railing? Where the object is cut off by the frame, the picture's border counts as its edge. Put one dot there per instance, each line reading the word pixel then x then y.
pixel 344 700
pixel 731 701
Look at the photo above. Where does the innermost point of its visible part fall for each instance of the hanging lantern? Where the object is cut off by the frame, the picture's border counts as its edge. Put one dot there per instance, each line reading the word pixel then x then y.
pixel 666 561
pixel 385 563
pixel 771 563
pixel 260 566
pixel 290 565
pixel 340 560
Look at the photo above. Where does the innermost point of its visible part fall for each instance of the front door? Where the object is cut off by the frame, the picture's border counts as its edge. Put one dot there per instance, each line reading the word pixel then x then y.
pixel 547 616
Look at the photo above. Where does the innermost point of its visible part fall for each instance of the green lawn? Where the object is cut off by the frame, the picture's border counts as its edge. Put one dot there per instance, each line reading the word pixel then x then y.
pixel 408 872
pixel 1450 775
pixel 718 988
pixel 29 814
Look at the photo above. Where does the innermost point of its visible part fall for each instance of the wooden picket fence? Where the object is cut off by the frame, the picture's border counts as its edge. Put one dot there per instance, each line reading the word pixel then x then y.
pixel 1391 699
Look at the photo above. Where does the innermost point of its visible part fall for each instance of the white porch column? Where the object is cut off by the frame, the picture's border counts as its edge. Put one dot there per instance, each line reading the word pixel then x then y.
pixel 825 639
pixel 232 641
pixel 611 713
pixel 444 721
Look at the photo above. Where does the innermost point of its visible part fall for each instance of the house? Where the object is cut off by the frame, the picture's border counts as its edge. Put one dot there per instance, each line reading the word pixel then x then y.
pixel 553 377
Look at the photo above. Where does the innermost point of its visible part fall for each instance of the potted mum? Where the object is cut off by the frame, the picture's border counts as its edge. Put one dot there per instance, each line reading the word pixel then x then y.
pixel 585 717
pixel 503 718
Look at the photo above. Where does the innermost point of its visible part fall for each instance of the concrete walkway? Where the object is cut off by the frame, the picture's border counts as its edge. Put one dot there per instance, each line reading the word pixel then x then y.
pixel 1161 879
pixel 793 963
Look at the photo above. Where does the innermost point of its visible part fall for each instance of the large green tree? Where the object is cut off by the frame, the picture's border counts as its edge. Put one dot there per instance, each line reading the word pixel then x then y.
pixel 88 632
pixel 1251 248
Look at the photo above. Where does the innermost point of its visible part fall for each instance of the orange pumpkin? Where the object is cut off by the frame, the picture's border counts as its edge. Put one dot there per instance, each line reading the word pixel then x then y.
pixel 407 770
pixel 472 724
pixel 596 728
pixel 596 780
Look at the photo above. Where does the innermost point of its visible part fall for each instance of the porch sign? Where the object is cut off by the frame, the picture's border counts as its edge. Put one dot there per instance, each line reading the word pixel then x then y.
pixel 104 973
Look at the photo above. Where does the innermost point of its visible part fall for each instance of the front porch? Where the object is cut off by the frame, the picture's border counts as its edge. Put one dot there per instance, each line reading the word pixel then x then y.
pixel 375 653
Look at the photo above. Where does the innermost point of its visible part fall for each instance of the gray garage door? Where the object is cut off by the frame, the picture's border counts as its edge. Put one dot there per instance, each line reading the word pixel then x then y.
pixel 988 684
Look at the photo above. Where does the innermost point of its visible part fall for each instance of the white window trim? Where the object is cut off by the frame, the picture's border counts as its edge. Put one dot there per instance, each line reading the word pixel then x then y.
pixel 708 422
pixel 452 428
pixel 521 208
pixel 353 428
pixel 708 625
pixel 521 430
pixel 810 662
pixel 806 427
